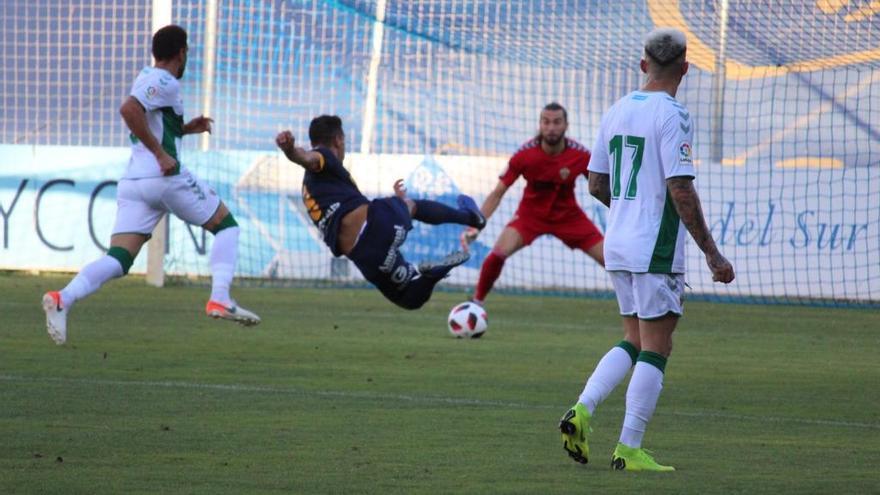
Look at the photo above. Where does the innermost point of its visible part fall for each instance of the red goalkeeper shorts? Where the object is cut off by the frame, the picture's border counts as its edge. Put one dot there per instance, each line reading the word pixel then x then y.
pixel 575 230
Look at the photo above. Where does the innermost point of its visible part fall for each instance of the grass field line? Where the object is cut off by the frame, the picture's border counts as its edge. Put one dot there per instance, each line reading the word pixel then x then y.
pixel 418 399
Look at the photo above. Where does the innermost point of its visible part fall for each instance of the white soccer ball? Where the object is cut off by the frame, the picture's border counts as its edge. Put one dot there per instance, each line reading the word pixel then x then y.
pixel 467 320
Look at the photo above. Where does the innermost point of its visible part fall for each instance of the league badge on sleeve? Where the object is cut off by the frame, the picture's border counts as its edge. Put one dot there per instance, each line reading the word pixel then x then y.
pixel 684 154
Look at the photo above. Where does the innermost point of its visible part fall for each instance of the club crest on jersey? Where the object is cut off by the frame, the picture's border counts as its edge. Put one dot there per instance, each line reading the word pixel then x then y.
pixel 151 91
pixel 564 172
pixel 684 153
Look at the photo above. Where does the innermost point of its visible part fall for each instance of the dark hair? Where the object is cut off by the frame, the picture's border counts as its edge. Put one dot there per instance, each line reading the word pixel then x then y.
pixel 324 129
pixel 168 41
pixel 665 46
pixel 555 107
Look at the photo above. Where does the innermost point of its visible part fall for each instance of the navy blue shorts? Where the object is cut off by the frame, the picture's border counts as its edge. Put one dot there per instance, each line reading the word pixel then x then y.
pixel 377 252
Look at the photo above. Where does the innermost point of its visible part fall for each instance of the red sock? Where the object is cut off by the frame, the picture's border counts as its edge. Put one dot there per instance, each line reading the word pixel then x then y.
pixel 489 273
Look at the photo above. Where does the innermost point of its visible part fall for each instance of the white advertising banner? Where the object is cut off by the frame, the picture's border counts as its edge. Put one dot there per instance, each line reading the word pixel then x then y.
pixel 57 207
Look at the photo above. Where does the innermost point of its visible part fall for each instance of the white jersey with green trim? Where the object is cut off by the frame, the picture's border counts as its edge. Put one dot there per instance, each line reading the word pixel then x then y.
pixel 158 91
pixel 644 139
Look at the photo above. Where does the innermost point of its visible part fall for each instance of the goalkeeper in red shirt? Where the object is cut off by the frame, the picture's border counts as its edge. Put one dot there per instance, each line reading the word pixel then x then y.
pixel 550 163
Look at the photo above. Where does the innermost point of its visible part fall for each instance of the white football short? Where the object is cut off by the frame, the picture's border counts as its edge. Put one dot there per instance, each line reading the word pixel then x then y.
pixel 140 203
pixel 648 295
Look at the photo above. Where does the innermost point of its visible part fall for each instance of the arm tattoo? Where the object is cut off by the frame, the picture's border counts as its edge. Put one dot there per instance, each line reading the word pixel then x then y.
pixel 687 204
pixel 600 187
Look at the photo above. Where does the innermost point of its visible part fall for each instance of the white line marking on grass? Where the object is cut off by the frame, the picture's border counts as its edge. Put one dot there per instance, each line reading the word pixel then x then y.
pixel 417 399
pixel 232 387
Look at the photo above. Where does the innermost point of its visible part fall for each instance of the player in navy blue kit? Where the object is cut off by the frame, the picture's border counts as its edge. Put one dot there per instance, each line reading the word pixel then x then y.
pixel 370 233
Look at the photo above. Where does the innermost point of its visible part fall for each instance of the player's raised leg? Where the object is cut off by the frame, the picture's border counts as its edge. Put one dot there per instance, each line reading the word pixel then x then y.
pixel 436 213
pixel 224 257
pixel 440 268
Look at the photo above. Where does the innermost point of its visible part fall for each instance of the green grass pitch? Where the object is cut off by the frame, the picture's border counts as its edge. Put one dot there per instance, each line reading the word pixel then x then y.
pixel 338 391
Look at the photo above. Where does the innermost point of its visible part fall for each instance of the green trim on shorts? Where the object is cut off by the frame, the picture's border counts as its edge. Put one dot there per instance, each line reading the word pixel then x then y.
pixel 121 255
pixel 655 318
pixel 630 349
pixel 654 359
pixel 227 222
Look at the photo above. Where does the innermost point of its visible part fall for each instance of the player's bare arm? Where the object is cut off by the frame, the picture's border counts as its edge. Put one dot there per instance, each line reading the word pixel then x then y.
pixel 687 204
pixel 310 160
pixel 489 206
pixel 493 200
pixel 600 187
pixel 135 118
pixel 198 125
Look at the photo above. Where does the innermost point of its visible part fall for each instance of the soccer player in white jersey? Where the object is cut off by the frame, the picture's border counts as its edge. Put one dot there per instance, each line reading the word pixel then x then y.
pixel 642 168
pixel 155 183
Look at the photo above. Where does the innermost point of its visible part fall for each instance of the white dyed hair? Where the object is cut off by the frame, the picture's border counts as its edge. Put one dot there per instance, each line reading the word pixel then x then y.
pixel 665 45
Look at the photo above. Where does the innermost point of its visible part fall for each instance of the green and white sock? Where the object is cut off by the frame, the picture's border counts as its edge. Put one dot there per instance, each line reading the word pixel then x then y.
pixel 641 397
pixel 610 371
pixel 90 279
pixel 224 255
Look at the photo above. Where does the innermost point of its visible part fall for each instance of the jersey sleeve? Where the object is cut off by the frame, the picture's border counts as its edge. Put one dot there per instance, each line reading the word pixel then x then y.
pixel 154 93
pixel 676 138
pixel 329 162
pixel 599 157
pixel 513 170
